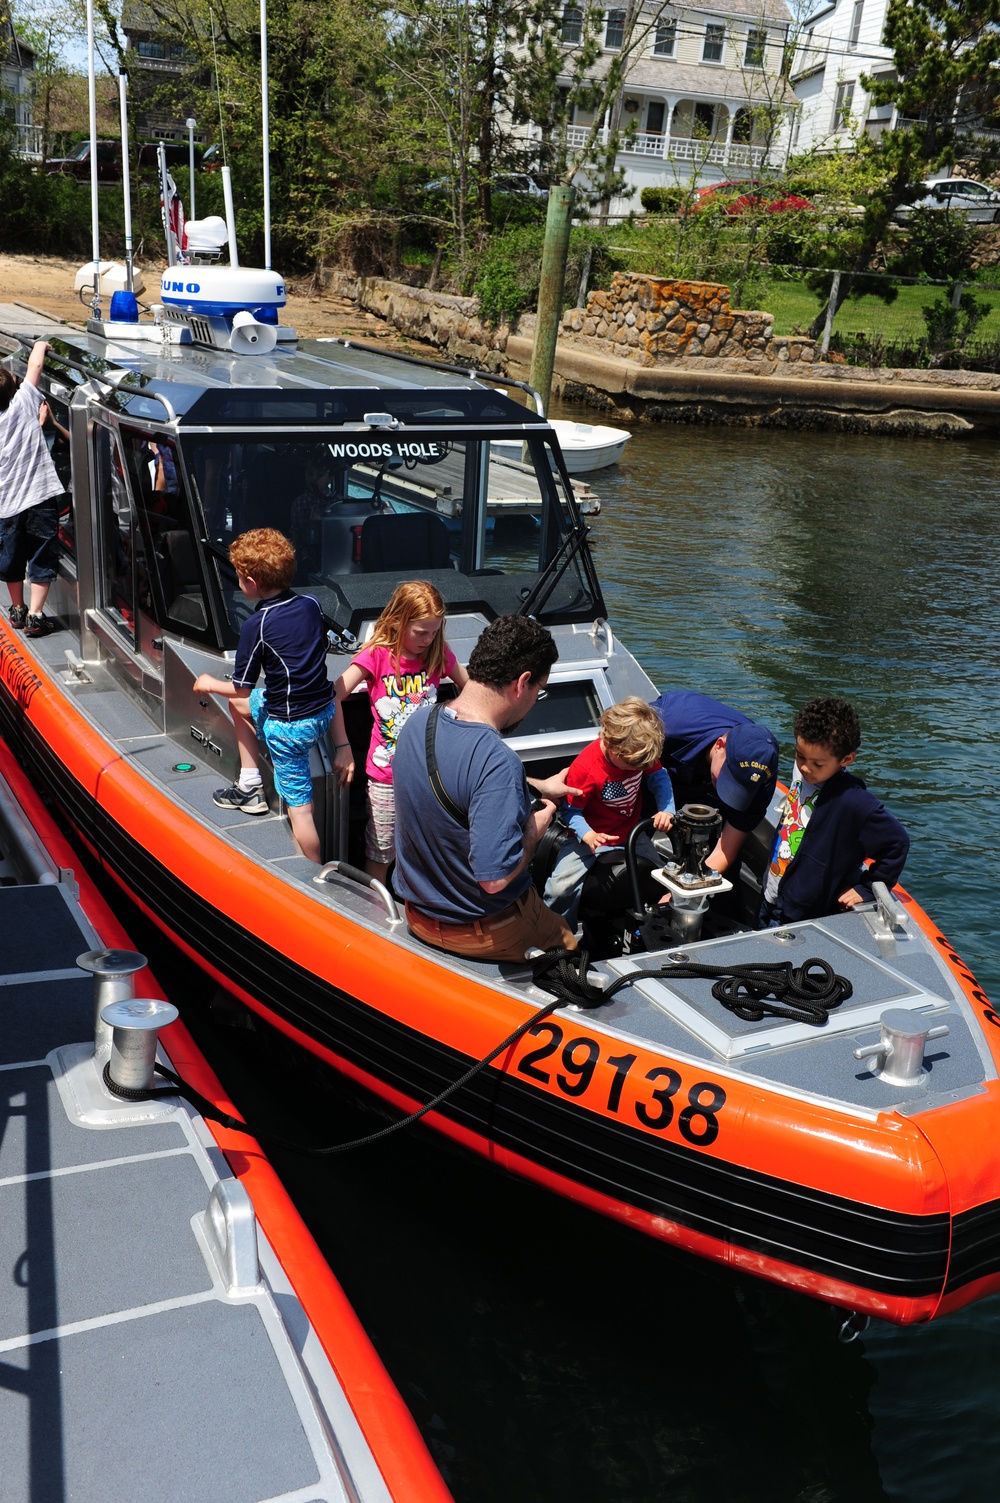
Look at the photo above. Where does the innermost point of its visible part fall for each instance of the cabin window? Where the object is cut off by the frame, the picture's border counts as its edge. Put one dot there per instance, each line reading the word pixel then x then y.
pixel 175 586
pixel 365 510
pixel 123 570
pixel 56 429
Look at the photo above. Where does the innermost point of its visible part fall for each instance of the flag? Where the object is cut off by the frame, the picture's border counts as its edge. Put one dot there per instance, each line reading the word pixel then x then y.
pixel 172 214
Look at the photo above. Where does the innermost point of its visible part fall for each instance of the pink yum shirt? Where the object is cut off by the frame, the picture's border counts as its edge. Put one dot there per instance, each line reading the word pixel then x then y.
pixel 395 693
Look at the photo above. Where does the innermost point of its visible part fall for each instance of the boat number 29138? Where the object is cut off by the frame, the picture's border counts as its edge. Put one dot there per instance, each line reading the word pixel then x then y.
pixel 578 1058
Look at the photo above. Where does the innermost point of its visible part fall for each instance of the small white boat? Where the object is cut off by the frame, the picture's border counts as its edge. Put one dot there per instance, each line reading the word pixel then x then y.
pixel 585 446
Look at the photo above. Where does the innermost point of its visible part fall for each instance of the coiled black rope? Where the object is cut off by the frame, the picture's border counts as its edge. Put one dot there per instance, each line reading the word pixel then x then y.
pixel 806 993
pixel 212 1113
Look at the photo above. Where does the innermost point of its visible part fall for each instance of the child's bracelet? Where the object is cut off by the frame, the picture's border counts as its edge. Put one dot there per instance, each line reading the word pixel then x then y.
pixel 339 745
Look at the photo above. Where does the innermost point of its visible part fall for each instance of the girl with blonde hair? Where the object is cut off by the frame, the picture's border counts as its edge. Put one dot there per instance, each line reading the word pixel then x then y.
pixel 401 665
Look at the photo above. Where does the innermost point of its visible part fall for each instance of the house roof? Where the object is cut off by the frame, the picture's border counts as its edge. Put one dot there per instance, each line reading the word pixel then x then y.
pixel 693 81
pixel 14 49
pixel 755 10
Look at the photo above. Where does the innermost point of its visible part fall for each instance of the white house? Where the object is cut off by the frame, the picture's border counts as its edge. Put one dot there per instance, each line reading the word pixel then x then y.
pixel 17 67
pixel 839 42
pixel 699 93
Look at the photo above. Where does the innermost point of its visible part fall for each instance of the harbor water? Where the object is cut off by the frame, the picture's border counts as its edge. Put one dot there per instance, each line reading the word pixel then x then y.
pixel 548 1355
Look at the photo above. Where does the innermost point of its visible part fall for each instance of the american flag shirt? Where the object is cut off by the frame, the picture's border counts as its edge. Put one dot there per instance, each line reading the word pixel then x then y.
pixel 611 801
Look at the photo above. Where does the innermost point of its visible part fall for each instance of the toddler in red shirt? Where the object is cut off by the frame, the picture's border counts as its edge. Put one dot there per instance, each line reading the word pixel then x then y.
pixel 610 775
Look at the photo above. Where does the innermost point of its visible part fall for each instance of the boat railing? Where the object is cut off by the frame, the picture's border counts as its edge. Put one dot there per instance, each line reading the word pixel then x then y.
pixel 449 369
pixel 117 382
pixel 353 874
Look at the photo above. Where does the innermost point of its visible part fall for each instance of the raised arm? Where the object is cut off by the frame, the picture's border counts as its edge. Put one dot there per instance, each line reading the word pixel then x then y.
pixel 36 361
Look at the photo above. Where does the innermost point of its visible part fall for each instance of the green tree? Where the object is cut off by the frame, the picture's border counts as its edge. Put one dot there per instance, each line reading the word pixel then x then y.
pixel 944 82
pixel 327 116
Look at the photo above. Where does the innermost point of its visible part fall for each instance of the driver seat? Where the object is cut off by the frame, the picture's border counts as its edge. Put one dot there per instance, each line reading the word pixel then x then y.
pixel 404 542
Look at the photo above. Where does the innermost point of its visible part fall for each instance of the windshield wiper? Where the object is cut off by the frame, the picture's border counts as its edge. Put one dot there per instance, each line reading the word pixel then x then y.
pixel 554 570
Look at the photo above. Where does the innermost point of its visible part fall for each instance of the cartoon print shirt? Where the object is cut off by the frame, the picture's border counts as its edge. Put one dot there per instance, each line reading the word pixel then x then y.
pixel 395 691
pixel 796 812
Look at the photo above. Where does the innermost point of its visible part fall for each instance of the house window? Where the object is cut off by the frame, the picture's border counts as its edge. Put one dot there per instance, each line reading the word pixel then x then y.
pixel 715 37
pixel 855 32
pixel 614 31
pixel 151 49
pixel 842 106
pixel 756 49
pixel 572 25
pixel 665 44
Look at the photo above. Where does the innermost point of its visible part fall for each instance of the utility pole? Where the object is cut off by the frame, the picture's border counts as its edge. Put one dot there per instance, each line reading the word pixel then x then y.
pixel 550 292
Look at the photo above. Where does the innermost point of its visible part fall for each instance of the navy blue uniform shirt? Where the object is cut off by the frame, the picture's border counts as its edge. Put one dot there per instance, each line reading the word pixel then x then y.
pixel 692 723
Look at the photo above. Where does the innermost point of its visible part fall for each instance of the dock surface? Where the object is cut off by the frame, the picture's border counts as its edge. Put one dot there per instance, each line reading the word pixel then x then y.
pixel 134 1365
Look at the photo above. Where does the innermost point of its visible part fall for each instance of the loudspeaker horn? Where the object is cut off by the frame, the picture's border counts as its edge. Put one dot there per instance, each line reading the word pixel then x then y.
pixel 251 338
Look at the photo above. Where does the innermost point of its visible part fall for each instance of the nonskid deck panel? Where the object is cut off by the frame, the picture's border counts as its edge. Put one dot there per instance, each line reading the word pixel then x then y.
pixel 127 1370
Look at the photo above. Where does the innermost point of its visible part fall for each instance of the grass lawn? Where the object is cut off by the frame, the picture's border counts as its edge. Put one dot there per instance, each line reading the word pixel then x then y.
pixel 795 307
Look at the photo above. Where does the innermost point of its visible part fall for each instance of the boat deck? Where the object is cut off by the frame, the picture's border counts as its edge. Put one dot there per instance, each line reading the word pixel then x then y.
pixel 682 1017
pixel 134 1363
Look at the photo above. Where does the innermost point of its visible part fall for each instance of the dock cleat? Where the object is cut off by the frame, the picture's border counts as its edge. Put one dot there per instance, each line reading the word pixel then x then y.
pixel 234 797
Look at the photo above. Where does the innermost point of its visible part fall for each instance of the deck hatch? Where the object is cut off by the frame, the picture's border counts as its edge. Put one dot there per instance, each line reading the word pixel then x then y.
pixel 690 1001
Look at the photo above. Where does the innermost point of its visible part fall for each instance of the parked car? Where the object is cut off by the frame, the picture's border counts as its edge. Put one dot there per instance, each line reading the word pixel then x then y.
pixel 109 159
pixel 748 193
pixel 77 164
pixel 519 184
pixel 975 200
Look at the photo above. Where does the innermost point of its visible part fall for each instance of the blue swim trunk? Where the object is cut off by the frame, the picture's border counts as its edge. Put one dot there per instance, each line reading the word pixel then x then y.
pixel 290 742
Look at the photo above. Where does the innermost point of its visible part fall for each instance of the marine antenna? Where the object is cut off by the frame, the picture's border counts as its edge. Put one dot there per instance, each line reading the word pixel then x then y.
pixel 95 231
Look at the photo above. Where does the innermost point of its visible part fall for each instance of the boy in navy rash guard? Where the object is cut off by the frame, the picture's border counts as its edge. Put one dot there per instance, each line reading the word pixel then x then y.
pixel 829 825
pixel 285 640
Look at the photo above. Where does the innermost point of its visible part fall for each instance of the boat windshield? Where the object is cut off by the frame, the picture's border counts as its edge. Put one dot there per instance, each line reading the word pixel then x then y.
pixel 481 518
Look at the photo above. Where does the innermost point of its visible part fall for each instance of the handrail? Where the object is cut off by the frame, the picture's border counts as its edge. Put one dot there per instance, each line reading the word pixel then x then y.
pixel 121 383
pixel 447 367
pixel 352 873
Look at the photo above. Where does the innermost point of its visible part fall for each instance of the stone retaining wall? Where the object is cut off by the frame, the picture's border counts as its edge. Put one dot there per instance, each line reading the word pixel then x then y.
pixel 661 321
pixel 756 384
pixel 441 318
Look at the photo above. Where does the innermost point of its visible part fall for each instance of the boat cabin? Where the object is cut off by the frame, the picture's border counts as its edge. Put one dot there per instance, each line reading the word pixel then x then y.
pixel 378 467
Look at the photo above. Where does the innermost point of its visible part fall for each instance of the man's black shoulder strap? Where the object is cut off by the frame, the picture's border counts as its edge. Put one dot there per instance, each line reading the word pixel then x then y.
pixel 444 798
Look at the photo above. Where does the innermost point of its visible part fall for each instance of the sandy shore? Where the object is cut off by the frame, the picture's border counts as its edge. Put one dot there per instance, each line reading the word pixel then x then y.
pixel 46 283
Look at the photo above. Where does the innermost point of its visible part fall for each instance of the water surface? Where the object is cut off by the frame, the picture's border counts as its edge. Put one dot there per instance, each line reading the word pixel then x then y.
pixel 553 1357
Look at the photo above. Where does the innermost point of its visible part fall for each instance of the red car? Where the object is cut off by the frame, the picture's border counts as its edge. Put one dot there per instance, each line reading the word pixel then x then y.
pixel 738 197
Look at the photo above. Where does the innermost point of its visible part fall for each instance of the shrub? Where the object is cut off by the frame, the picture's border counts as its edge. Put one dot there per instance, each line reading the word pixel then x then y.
pixel 41 212
pixel 509 273
pixel 940 245
pixel 663 200
pixel 950 329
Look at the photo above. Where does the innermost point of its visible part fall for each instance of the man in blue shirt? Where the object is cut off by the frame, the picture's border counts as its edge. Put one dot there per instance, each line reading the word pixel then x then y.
pixel 465 830
pixel 715 755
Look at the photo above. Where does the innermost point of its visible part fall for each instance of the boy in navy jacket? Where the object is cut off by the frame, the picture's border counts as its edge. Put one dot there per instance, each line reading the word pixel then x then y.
pixel 829 825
